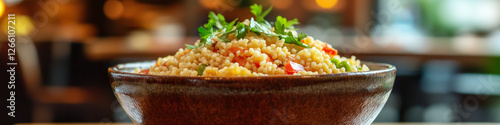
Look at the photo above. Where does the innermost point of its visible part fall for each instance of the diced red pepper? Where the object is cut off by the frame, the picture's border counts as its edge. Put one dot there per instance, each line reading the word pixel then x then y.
pixel 233 49
pixel 146 71
pixel 240 60
pixel 329 50
pixel 293 67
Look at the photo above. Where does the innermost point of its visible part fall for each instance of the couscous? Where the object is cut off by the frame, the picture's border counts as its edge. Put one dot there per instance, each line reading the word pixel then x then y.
pixel 253 47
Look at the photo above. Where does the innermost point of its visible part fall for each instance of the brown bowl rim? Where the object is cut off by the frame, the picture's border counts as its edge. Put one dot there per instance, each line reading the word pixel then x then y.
pixel 390 68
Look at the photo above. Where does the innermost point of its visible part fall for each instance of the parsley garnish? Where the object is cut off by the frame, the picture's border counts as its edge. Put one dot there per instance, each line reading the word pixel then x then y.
pixel 288 24
pixel 259 15
pixel 206 36
pixel 219 21
pixel 279 28
pixel 240 31
pixel 258 28
pixel 297 40
pixel 218 27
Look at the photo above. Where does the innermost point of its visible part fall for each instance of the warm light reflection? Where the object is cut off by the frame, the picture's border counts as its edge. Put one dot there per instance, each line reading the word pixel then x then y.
pixel 113 9
pixel 323 5
pixel 21 30
pixel 2 7
pixel 281 4
pixel 210 4
pixel 327 3
pixel 11 2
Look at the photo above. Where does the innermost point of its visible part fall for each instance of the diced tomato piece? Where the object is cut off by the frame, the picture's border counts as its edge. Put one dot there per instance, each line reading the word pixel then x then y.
pixel 146 71
pixel 257 64
pixel 293 67
pixel 329 50
pixel 234 49
pixel 240 60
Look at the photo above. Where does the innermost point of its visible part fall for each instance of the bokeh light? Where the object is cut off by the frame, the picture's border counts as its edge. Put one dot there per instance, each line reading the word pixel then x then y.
pixel 327 3
pixel 470 15
pixel 21 30
pixel 11 2
pixel 113 9
pixel 2 7
pixel 209 4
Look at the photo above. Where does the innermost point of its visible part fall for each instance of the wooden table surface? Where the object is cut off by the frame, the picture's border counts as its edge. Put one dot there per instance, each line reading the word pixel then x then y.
pixel 466 123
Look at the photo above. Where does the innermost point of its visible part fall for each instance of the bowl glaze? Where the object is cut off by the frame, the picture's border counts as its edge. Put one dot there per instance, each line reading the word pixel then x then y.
pixel 345 98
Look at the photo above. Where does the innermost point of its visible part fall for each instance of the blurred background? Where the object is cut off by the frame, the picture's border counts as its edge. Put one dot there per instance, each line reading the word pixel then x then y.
pixel 447 51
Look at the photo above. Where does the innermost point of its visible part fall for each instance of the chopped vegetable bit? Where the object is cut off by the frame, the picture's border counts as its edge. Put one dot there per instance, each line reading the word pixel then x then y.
pixel 335 61
pixel 241 60
pixel 146 71
pixel 329 50
pixel 293 67
pixel 201 68
pixel 345 64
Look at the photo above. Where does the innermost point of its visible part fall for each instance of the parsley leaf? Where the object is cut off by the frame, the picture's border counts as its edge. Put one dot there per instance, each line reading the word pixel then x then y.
pixel 257 28
pixel 230 25
pixel 240 31
pixel 257 11
pixel 259 15
pixel 216 20
pixel 291 39
pixel 288 24
pixel 279 28
pixel 227 30
pixel 206 35
pixel 191 46
pixel 224 36
pixel 217 26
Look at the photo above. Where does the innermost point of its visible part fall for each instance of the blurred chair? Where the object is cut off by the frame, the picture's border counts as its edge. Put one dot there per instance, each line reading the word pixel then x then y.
pixel 44 95
pixel 57 97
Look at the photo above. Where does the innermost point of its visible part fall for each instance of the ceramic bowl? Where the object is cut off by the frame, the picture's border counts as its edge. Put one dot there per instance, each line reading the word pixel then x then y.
pixel 345 98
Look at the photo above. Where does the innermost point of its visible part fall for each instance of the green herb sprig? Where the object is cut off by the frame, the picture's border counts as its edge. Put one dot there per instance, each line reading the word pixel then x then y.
pixel 279 28
pixel 218 27
pixel 201 69
pixel 259 15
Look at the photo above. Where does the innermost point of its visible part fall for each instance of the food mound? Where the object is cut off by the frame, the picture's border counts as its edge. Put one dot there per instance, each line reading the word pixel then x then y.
pixel 253 47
